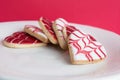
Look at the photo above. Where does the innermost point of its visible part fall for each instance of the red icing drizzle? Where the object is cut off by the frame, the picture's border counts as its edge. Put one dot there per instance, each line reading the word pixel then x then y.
pixel 82 51
pixel 48 25
pixel 92 38
pixel 70 29
pixel 21 38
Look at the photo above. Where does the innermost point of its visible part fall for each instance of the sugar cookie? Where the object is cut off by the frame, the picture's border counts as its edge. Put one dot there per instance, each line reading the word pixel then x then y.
pixel 46 26
pixel 22 40
pixel 59 27
pixel 85 49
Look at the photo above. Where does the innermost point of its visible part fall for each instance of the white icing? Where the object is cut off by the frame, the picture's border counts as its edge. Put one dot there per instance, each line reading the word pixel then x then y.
pixel 73 37
pixel 103 49
pixel 88 49
pixel 80 57
pixel 79 34
pixel 86 40
pixel 80 42
pixel 100 53
pixel 94 55
pixel 61 21
pixel 93 46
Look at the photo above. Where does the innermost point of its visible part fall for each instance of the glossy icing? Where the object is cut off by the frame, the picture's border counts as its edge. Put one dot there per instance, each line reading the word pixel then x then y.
pixel 21 38
pixel 85 47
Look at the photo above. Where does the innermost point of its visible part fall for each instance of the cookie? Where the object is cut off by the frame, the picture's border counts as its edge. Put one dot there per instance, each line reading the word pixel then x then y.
pixel 36 32
pixel 22 40
pixel 84 49
pixel 59 27
pixel 46 26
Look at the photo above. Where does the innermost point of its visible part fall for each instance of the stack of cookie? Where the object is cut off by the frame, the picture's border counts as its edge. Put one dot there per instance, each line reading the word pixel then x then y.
pixel 83 48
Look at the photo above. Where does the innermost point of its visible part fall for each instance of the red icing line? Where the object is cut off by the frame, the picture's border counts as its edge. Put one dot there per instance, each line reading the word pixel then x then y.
pixel 102 52
pixel 60 25
pixel 46 21
pixel 48 25
pixel 76 35
pixel 92 38
pixel 84 41
pixel 73 41
pixel 87 53
pixel 77 46
pixel 62 21
pixel 70 29
pixel 88 57
pixel 21 38
pixel 97 53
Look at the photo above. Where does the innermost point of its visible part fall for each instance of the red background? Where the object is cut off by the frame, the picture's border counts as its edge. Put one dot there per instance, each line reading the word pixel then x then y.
pixel 101 13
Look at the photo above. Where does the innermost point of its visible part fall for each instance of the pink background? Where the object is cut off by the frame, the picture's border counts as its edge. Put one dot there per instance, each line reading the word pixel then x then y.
pixel 100 13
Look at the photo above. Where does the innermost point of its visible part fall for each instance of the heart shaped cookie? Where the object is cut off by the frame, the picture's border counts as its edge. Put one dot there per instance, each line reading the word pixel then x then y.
pixel 21 40
pixel 84 49
pixel 46 26
pixel 59 27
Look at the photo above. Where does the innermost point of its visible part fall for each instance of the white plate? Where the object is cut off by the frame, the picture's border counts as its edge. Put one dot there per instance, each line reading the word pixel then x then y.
pixel 51 63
